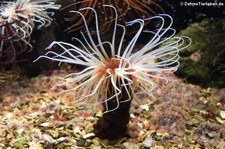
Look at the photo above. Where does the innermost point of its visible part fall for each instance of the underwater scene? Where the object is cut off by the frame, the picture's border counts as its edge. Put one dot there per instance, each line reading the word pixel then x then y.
pixel 112 74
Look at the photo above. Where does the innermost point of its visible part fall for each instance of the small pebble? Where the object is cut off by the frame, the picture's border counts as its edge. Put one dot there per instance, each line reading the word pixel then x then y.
pixel 89 128
pixel 147 123
pixel 96 142
pixel 148 142
pixel 81 142
pixel 88 135
pixel 222 114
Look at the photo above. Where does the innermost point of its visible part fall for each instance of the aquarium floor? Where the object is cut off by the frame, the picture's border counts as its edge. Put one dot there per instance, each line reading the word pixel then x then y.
pixel 180 115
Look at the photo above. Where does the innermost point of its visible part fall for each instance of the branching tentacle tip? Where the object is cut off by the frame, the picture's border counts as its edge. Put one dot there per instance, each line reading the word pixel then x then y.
pixel 47 48
pixel 37 59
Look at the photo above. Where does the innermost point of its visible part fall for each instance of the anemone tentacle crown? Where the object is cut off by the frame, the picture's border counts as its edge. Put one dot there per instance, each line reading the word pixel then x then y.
pixel 116 64
pixel 18 18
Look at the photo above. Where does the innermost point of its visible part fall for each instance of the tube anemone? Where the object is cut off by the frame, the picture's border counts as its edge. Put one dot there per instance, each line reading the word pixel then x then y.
pixel 113 70
pixel 18 18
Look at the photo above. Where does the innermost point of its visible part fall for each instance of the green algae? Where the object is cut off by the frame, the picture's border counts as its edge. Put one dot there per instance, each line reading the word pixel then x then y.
pixel 200 63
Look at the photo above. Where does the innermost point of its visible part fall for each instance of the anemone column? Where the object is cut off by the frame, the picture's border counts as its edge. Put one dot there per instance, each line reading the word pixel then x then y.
pixel 113 125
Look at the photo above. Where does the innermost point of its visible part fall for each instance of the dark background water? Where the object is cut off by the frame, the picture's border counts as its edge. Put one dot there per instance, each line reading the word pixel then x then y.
pixel 183 15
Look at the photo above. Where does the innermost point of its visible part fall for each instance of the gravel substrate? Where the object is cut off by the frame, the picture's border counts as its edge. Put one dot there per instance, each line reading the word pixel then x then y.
pixel 180 115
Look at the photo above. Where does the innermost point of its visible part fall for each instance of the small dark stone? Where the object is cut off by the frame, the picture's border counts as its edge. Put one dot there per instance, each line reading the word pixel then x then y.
pixel 81 142
pixel 48 146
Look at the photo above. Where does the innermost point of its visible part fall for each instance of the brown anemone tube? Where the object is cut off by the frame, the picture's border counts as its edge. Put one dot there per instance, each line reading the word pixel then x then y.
pixel 113 125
